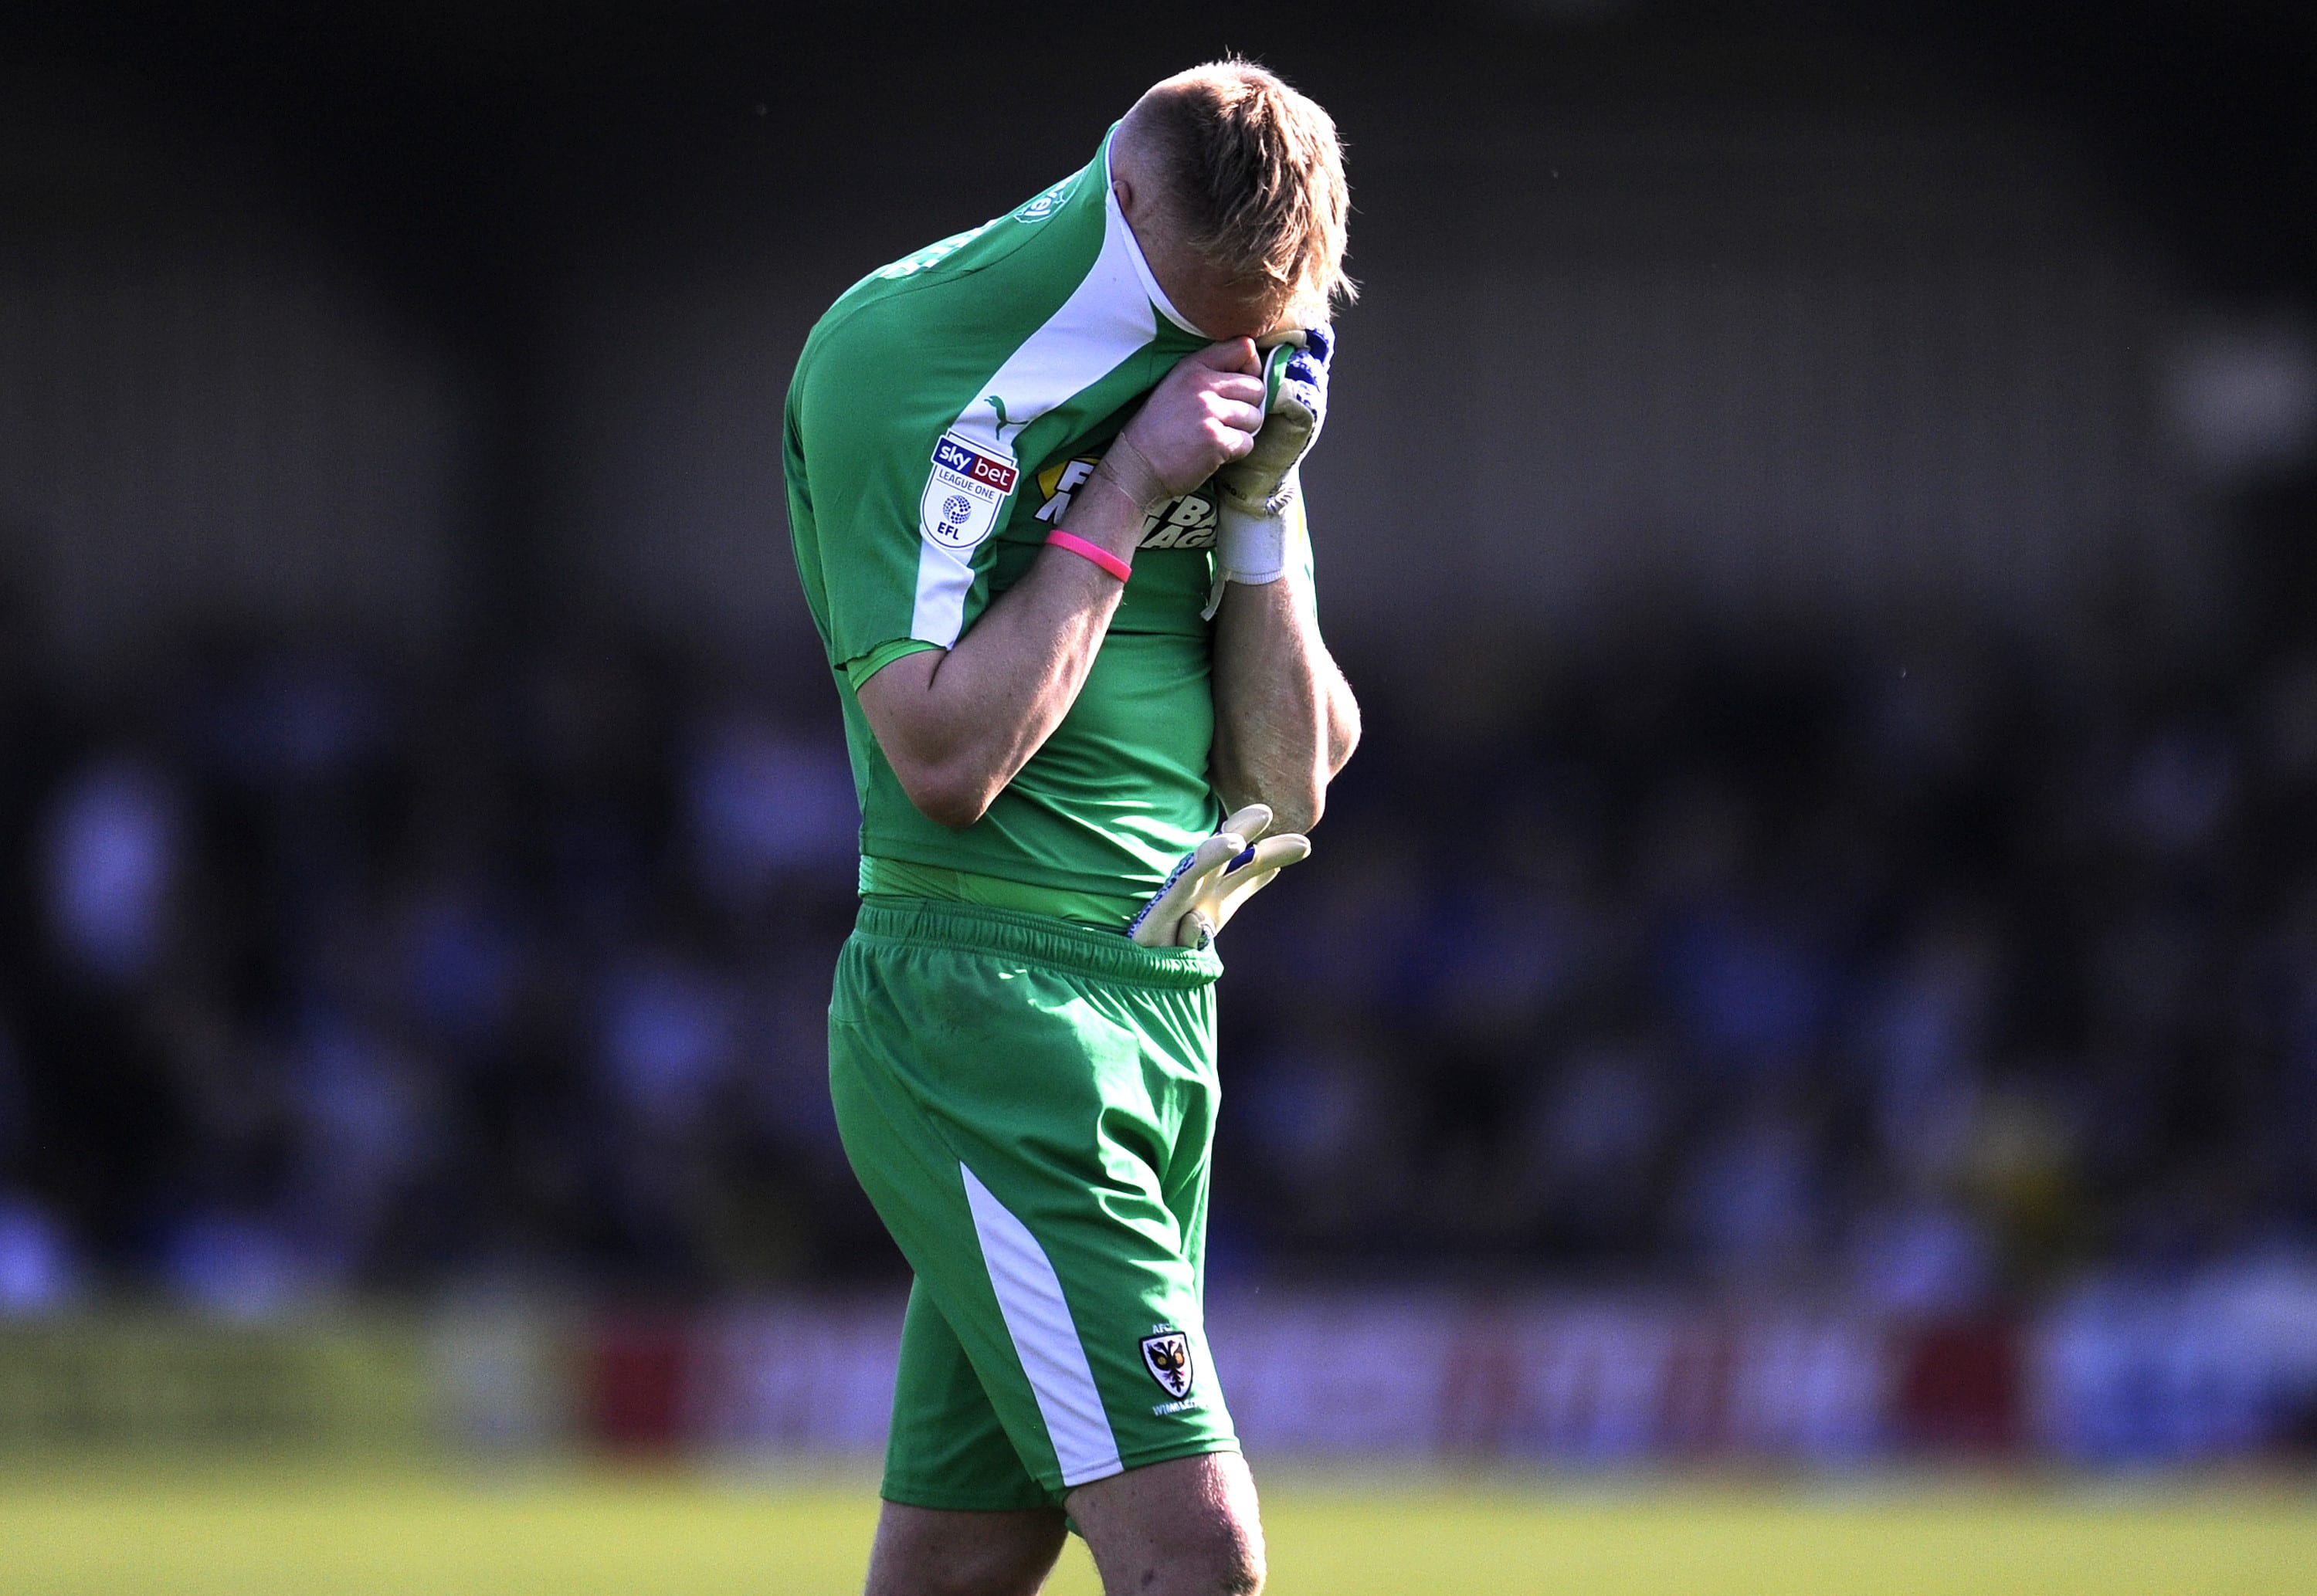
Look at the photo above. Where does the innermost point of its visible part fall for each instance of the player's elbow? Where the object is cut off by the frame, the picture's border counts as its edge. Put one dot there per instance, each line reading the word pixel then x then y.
pixel 1296 800
pixel 948 778
pixel 1342 716
pixel 1297 811
pixel 945 793
pixel 1343 735
pixel 1296 796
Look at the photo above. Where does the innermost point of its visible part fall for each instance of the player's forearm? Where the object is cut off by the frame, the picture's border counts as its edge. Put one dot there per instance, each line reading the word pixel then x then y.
pixel 957 726
pixel 1285 721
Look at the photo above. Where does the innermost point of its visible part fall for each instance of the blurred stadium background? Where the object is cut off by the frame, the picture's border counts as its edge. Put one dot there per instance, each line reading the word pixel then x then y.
pixel 1794 1067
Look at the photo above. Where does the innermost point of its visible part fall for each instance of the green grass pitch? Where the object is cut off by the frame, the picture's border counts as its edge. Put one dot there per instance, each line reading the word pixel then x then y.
pixel 570 1533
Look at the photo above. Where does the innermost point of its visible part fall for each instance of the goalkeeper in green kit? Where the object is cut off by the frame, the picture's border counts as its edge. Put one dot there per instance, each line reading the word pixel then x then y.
pixel 1043 485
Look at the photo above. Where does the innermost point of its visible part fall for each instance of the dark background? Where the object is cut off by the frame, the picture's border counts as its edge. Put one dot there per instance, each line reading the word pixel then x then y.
pixel 1817 511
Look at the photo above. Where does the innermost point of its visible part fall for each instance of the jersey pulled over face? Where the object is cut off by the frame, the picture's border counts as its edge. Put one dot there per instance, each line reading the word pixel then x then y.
pixel 944 413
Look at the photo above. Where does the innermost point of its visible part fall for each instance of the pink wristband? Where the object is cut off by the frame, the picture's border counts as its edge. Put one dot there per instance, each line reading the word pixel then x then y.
pixel 1101 557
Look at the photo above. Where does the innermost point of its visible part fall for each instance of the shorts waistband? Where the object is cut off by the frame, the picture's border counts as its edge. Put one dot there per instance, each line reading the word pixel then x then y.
pixel 1039 939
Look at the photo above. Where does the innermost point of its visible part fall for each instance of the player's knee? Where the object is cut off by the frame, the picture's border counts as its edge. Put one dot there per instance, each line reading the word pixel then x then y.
pixel 1240 1572
pixel 1223 1557
pixel 1191 1569
pixel 1189 1527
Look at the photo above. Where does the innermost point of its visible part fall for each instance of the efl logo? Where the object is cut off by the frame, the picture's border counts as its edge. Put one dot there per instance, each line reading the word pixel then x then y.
pixel 971 463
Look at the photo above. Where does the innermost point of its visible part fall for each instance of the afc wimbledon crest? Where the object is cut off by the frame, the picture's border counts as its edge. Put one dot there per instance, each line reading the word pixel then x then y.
pixel 1167 1356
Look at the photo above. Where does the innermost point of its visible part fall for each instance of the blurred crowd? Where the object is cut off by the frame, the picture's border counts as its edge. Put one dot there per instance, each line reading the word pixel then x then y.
pixel 1934 977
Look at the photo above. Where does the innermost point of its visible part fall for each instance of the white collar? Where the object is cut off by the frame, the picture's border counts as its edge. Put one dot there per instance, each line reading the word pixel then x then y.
pixel 1135 252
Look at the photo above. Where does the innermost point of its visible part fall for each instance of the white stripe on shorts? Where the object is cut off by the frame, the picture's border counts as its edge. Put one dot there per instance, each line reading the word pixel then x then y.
pixel 1030 1295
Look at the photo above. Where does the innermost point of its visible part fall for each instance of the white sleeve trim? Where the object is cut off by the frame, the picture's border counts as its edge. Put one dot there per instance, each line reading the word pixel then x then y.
pixel 1108 318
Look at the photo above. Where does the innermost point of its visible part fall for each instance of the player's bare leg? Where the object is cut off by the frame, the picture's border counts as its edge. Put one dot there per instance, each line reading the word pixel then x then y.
pixel 1188 1527
pixel 926 1551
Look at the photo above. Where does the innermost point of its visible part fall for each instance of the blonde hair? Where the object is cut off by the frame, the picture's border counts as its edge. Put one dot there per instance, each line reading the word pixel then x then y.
pixel 1255 174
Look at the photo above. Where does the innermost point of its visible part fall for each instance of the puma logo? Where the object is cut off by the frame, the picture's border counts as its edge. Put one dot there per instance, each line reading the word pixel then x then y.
pixel 1004 421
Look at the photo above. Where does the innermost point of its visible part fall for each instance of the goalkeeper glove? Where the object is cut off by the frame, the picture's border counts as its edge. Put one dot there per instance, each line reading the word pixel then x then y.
pixel 1251 537
pixel 1205 889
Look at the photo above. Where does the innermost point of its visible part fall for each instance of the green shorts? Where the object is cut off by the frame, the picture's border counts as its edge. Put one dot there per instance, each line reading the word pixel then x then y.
pixel 1029 1105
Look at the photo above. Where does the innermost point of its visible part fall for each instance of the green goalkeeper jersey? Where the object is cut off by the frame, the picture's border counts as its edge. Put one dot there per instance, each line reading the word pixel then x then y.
pixel 943 414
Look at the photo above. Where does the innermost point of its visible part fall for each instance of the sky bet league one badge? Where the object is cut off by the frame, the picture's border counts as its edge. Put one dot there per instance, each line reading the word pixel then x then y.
pixel 964 492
